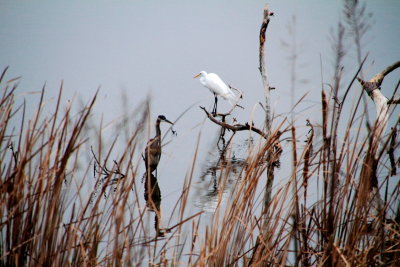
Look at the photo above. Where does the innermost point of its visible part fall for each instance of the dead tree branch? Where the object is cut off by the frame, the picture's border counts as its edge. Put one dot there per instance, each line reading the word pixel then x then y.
pixel 237 127
pixel 267 91
pixel 107 172
pixel 378 79
pixel 373 88
pixel 262 68
pixel 394 101
pixel 276 150
pixel 370 165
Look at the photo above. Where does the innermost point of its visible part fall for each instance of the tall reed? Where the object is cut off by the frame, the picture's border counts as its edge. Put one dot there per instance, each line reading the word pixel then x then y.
pixel 324 214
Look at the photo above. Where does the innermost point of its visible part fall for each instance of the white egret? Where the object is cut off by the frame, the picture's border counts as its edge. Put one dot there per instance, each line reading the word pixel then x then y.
pixel 153 148
pixel 217 86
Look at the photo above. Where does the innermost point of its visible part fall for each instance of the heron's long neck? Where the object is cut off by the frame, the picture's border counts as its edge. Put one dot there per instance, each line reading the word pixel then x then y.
pixel 158 130
pixel 203 81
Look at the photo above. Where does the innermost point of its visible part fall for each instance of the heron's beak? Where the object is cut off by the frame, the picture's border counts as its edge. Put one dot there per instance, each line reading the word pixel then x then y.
pixel 169 121
pixel 197 76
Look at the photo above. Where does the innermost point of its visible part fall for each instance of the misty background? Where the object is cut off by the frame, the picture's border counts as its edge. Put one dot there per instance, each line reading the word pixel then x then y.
pixel 133 50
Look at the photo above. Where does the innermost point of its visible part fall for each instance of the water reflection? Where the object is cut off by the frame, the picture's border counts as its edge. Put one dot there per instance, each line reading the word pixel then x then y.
pixel 152 195
pixel 218 178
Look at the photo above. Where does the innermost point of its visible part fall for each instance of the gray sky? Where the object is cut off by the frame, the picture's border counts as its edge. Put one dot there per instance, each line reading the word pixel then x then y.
pixel 156 47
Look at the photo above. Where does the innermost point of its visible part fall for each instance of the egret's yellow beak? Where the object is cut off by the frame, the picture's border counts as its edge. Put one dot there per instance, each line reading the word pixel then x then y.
pixel 197 76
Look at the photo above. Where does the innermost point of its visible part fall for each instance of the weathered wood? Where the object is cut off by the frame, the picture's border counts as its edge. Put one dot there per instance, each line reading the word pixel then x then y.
pixel 368 175
pixel 236 127
pixel 262 68
pixel 373 89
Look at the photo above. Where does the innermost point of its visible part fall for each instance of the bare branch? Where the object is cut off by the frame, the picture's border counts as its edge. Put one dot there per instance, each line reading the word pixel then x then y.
pixel 377 80
pixel 368 86
pixel 107 172
pixel 394 101
pixel 236 127
pixel 370 165
pixel 372 87
pixel 380 76
pixel 262 69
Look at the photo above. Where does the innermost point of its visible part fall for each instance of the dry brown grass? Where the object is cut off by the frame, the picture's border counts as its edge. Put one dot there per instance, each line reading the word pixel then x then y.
pixel 46 220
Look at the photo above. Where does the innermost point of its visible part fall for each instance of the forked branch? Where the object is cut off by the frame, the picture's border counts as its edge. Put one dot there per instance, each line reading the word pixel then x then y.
pixel 107 172
pixel 372 87
pixel 237 127
pixel 376 81
pixel 380 76
pixel 370 165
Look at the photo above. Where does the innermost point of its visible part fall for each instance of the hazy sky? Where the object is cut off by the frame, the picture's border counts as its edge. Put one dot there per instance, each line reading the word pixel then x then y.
pixel 155 48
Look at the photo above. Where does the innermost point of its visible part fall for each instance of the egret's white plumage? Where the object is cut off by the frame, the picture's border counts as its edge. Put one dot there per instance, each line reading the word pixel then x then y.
pixel 217 86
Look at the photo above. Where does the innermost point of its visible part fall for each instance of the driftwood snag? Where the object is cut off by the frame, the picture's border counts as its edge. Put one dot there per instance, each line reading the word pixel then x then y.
pixel 235 128
pixel 373 89
pixel 368 175
pixel 262 68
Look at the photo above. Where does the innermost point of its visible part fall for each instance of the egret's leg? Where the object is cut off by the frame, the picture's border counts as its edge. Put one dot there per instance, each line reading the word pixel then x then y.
pixel 215 105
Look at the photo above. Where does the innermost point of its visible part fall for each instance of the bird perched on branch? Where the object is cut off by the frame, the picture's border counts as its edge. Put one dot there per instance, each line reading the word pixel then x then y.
pixel 217 86
pixel 153 148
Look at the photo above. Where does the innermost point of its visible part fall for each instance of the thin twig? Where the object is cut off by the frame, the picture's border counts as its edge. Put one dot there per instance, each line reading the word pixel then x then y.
pixel 107 172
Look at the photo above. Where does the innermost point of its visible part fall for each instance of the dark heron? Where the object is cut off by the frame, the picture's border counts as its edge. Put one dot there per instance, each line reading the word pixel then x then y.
pixel 152 195
pixel 152 153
